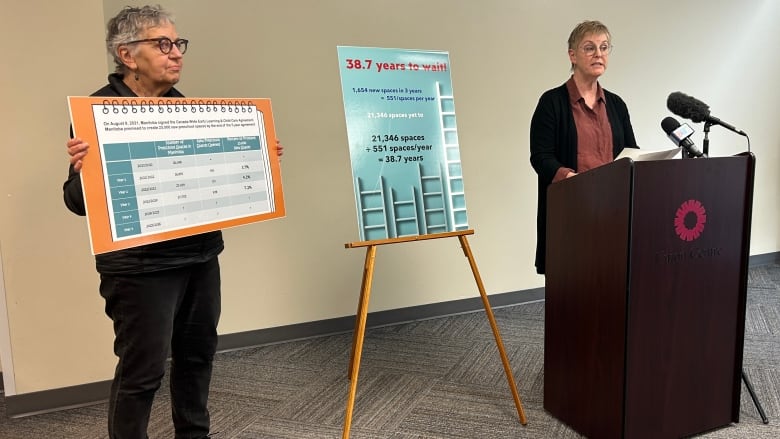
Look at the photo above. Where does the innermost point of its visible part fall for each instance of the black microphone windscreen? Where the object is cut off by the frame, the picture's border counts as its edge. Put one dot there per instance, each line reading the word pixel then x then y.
pixel 688 107
pixel 669 124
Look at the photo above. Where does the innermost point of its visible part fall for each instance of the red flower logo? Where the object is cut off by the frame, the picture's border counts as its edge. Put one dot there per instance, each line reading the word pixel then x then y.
pixel 689 220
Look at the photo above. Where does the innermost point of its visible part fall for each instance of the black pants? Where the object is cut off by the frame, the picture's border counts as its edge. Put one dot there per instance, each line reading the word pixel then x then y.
pixel 156 314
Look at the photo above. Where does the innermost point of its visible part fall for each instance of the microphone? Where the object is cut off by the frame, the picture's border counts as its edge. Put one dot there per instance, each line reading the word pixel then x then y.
pixel 680 135
pixel 695 110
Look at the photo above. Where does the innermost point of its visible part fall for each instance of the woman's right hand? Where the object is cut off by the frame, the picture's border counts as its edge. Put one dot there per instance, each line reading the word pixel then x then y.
pixel 77 149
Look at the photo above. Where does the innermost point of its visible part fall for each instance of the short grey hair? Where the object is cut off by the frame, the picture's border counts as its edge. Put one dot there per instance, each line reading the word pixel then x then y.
pixel 128 25
pixel 587 28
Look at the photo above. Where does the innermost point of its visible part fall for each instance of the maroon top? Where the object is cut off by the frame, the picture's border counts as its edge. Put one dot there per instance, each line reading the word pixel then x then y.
pixel 594 133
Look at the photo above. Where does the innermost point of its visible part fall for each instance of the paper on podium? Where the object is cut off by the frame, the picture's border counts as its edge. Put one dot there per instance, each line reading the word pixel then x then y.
pixel 638 155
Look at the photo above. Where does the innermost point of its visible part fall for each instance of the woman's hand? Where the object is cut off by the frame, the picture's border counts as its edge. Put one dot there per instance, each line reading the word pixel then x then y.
pixel 77 149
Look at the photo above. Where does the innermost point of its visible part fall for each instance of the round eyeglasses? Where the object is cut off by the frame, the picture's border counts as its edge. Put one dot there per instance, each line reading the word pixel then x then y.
pixel 165 44
pixel 590 49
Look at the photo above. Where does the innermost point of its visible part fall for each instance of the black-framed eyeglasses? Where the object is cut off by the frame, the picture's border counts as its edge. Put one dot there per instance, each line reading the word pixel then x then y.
pixel 165 44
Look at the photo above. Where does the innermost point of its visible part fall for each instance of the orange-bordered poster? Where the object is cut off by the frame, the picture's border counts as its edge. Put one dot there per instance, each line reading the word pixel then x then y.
pixel 167 168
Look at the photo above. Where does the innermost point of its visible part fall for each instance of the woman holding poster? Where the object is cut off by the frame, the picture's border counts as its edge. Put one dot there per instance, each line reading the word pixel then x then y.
pixel 163 298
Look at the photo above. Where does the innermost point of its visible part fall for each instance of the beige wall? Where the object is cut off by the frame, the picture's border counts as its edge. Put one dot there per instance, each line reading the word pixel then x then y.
pixel 503 55
pixel 54 328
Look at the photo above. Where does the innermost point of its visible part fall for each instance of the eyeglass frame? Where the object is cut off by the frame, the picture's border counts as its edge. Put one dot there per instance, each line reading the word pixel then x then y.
pixel 599 48
pixel 159 40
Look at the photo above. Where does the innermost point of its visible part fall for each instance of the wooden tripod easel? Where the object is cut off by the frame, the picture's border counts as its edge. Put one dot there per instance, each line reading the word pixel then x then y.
pixel 362 312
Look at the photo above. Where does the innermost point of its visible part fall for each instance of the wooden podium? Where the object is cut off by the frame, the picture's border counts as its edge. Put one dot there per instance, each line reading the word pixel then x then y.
pixel 646 281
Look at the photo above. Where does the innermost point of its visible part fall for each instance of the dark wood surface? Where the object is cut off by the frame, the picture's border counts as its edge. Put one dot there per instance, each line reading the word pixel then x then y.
pixel 644 330
pixel 588 223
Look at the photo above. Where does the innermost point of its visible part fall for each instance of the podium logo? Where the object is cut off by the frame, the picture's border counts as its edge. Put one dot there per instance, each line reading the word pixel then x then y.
pixel 689 220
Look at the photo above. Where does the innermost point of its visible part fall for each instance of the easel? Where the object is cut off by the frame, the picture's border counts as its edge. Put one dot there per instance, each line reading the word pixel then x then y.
pixel 362 311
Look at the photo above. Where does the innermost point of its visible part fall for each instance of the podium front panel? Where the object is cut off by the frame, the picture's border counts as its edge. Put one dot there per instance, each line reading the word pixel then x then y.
pixel 686 295
pixel 588 224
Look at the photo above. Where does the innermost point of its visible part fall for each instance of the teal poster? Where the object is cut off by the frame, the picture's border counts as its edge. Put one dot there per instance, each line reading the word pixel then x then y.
pixel 403 142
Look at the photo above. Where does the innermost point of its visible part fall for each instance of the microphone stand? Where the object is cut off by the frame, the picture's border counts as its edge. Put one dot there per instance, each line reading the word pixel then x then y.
pixel 753 396
pixel 748 384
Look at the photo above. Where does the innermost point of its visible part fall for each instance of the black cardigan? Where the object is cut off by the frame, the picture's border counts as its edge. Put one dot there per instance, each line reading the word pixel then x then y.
pixel 554 145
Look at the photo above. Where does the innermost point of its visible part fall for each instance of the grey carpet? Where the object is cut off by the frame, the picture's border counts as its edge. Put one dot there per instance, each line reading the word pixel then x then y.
pixel 438 378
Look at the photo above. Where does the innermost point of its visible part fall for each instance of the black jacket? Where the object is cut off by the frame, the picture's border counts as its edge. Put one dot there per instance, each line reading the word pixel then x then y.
pixel 554 145
pixel 146 258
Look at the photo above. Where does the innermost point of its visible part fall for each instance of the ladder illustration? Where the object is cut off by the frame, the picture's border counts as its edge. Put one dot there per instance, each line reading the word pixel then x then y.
pixel 453 173
pixel 433 202
pixel 405 217
pixel 372 215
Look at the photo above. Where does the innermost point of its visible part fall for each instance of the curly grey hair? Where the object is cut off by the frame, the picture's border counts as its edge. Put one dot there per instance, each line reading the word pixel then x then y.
pixel 128 25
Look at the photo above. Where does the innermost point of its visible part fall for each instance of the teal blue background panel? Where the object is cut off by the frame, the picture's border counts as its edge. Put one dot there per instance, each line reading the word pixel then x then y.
pixel 403 141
